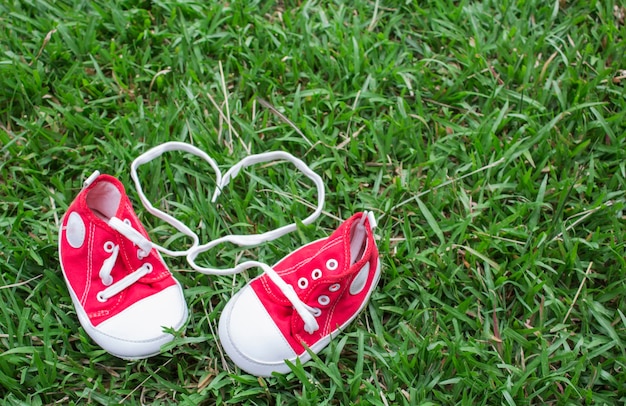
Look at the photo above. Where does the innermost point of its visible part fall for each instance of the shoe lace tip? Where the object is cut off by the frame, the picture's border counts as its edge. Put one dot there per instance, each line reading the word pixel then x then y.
pixel 91 178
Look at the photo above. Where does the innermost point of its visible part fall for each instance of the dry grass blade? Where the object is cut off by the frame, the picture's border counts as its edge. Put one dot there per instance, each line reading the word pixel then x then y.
pixel 280 115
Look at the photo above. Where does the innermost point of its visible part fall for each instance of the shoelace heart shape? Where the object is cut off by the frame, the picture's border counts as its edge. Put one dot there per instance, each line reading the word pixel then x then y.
pixel 222 181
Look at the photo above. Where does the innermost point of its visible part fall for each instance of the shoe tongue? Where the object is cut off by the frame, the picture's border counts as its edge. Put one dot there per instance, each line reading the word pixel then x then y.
pixel 353 236
pixel 104 198
pixel 358 237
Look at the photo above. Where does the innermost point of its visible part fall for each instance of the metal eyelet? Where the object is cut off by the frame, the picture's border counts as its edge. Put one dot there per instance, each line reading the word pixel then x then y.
pixel 334 287
pixel 148 267
pixel 323 300
pixel 332 264
pixel 101 298
pixel 303 283
pixel 317 312
pixel 316 274
pixel 141 254
pixel 127 222
pixel 109 246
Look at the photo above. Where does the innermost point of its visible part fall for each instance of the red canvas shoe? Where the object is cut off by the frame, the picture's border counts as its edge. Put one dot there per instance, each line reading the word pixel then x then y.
pixel 303 301
pixel 123 293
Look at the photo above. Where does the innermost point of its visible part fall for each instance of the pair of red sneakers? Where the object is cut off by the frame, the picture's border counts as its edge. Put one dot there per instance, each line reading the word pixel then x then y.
pixel 126 299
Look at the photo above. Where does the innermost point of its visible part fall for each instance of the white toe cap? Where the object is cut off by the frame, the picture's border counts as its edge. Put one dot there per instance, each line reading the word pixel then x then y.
pixel 251 338
pixel 137 332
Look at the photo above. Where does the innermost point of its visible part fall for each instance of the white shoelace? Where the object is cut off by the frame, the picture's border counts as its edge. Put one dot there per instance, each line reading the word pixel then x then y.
pixel 306 312
pixel 108 264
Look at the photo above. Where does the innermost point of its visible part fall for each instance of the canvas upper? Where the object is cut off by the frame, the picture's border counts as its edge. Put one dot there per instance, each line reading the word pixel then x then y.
pixel 97 260
pixel 332 278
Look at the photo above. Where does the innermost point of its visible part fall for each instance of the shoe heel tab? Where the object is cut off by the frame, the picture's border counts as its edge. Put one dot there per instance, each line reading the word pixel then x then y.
pixel 372 219
pixel 90 179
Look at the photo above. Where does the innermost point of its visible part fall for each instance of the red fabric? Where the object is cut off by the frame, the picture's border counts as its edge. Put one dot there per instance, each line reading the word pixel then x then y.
pixel 300 264
pixel 82 265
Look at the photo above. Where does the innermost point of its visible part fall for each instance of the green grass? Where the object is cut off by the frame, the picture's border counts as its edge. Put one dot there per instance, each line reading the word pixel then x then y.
pixel 488 137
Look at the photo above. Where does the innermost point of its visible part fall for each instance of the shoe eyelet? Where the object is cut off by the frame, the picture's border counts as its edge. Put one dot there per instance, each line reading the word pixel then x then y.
pixel 127 222
pixel 316 274
pixel 109 247
pixel 317 312
pixel 334 287
pixel 148 266
pixel 303 283
pixel 101 298
pixel 323 300
pixel 141 254
pixel 332 264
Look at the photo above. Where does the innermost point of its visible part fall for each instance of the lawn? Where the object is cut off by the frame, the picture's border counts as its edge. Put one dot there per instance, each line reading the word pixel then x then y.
pixel 489 138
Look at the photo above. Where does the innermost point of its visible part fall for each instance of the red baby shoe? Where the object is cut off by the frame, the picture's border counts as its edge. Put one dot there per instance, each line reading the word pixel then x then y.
pixel 303 301
pixel 123 293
